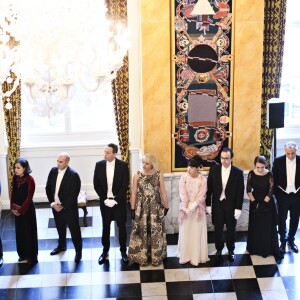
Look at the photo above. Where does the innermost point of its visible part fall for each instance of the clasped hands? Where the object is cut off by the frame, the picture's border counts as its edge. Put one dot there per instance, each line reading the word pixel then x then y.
pixel 191 208
pixel 110 202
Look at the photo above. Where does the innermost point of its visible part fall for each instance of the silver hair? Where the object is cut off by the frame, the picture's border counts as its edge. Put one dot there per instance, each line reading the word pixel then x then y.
pixel 291 144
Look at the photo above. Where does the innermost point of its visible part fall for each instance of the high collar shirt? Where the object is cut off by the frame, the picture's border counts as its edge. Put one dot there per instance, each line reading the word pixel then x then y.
pixel 110 171
pixel 290 174
pixel 59 179
pixel 225 175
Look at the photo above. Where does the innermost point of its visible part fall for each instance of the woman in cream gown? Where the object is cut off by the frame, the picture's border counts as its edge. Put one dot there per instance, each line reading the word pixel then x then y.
pixel 192 240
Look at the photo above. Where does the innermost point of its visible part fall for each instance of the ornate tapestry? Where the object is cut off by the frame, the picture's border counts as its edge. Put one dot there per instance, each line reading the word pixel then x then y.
pixel 201 72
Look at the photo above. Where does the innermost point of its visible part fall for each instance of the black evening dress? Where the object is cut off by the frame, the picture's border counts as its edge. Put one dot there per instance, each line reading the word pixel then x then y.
pixel 262 233
pixel 25 224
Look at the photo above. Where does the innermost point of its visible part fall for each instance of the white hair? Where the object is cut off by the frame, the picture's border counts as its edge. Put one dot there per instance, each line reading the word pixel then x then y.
pixel 291 144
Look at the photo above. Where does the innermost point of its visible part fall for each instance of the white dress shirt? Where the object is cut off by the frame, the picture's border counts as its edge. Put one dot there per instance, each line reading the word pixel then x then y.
pixel 110 171
pixel 59 178
pixel 225 175
pixel 290 174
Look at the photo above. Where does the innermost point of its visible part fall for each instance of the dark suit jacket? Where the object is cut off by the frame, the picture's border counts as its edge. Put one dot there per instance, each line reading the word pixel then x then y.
pixel 234 191
pixel 120 182
pixel 69 187
pixel 279 173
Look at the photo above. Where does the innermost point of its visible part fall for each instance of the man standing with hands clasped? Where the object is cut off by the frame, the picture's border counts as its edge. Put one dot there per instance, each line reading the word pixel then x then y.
pixel 224 200
pixel 62 189
pixel 111 179
pixel 286 174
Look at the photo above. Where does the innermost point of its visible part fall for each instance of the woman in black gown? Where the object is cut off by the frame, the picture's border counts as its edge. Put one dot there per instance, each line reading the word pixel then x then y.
pixel 23 208
pixel 262 233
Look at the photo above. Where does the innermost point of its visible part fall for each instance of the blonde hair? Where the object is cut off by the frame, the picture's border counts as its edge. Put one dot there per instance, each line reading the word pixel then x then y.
pixel 151 159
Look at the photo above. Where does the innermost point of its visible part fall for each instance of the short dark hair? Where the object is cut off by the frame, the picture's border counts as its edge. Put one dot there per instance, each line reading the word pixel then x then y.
pixel 260 159
pixel 226 149
pixel 114 147
pixel 196 161
pixel 24 163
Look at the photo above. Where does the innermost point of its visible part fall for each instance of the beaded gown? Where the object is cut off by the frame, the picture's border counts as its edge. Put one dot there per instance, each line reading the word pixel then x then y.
pixel 148 240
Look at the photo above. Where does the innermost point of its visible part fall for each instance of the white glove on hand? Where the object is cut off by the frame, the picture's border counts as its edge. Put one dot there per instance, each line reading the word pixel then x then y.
pixel 192 206
pixel 237 213
pixel 110 202
pixel 208 210
pixel 187 211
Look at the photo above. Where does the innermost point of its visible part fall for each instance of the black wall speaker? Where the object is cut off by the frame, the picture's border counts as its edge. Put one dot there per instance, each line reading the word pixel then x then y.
pixel 275 113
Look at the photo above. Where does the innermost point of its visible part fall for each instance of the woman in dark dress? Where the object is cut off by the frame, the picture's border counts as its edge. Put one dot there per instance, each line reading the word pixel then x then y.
pixel 23 208
pixel 262 233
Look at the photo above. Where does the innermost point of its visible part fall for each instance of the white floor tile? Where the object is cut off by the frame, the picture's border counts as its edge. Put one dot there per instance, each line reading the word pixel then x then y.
pixel 154 289
pixel 172 275
pixel 270 284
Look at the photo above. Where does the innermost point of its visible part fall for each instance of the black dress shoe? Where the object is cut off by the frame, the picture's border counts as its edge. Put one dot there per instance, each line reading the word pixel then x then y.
pixel 102 258
pixel 231 256
pixel 57 250
pixel 293 246
pixel 78 257
pixel 21 259
pixel 282 247
pixel 1 262
pixel 124 257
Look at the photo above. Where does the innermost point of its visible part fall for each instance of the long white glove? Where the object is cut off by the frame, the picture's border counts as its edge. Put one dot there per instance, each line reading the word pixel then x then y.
pixel 110 202
pixel 187 211
pixel 237 213
pixel 208 210
pixel 192 206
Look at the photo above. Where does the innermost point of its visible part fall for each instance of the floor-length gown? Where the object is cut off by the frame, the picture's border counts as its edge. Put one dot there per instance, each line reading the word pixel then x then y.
pixel 147 240
pixel 25 224
pixel 262 233
pixel 192 240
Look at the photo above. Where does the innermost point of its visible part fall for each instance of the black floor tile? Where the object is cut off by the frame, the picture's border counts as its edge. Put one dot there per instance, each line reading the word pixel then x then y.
pixel 172 239
pixel 202 286
pixel 266 271
pixel 173 263
pixel 223 286
pixel 241 260
pixel 53 293
pixel 152 276
pixel 246 285
pixel 180 297
pixel 104 291
pixel 7 294
pixel 243 295
pixel 28 293
pixel 79 292
pixel 129 290
pixel 179 288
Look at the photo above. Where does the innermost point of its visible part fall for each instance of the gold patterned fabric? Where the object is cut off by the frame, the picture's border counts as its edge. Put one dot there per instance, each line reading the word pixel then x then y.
pixel 117 12
pixel 12 119
pixel 274 30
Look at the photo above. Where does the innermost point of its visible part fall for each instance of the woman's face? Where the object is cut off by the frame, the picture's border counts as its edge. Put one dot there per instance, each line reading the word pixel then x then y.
pixel 260 168
pixel 193 171
pixel 147 167
pixel 19 170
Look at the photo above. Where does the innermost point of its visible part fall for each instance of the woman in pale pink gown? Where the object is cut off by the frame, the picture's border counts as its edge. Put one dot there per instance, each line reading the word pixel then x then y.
pixel 192 241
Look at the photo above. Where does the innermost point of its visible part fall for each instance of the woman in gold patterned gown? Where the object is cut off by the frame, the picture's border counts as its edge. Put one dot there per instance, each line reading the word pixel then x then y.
pixel 149 206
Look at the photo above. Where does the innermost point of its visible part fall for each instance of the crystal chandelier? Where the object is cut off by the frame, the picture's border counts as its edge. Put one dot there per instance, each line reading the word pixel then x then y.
pixel 62 44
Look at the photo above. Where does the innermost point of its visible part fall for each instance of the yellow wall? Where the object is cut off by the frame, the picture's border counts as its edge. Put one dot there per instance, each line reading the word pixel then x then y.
pixel 156 80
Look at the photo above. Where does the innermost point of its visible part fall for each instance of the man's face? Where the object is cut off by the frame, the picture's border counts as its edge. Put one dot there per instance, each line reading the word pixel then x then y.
pixel 108 154
pixel 290 153
pixel 62 162
pixel 226 159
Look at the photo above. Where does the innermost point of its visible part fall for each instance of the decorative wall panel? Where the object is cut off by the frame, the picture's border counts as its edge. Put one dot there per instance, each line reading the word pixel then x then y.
pixel 202 67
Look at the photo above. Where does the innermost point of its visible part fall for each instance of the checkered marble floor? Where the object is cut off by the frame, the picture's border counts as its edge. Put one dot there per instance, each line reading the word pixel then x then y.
pixel 58 277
